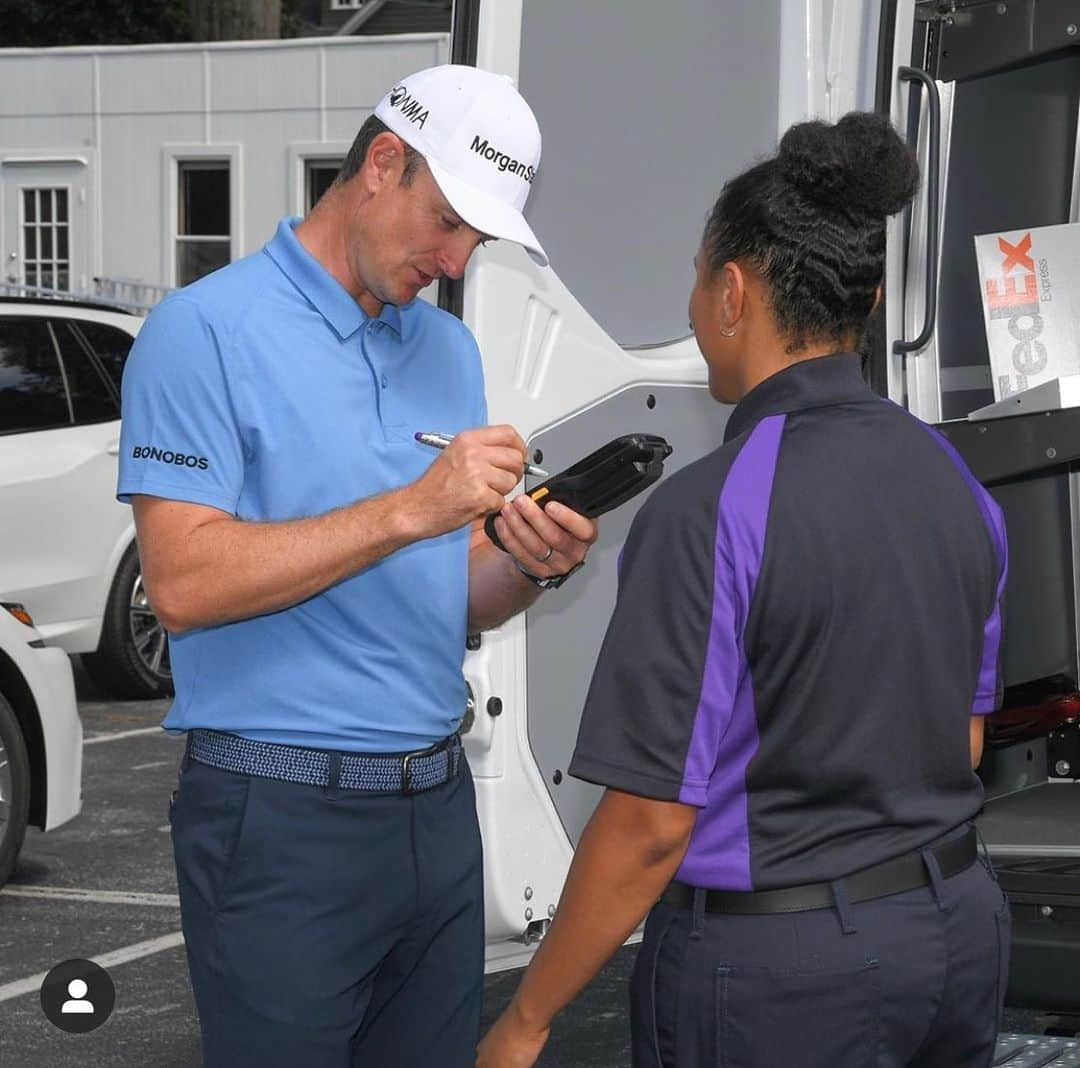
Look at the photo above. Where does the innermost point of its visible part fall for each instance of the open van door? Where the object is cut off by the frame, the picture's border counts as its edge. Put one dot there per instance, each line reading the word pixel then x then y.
pixel 645 112
pixel 989 92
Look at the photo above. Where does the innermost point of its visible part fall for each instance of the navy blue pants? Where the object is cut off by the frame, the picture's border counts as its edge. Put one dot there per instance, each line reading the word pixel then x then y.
pixel 330 929
pixel 916 979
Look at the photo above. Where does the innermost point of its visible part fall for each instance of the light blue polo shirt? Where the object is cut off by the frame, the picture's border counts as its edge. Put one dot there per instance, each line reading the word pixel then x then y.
pixel 265 390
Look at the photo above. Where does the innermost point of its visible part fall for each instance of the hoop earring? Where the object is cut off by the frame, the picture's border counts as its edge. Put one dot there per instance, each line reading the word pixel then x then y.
pixel 728 333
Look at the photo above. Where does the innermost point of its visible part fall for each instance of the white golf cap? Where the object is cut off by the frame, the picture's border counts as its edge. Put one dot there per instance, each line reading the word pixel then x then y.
pixel 480 140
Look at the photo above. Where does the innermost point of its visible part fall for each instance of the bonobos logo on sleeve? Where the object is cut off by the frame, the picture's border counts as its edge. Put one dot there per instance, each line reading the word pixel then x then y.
pixel 169 456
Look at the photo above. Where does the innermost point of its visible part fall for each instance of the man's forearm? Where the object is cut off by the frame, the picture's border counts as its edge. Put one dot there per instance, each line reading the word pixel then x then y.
pixel 227 569
pixel 497 589
pixel 620 868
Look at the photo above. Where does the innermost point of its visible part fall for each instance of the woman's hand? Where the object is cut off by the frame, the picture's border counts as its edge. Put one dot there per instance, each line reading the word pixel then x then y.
pixel 511 1042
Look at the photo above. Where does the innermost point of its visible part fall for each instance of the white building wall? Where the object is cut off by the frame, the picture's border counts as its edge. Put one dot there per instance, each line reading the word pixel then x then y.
pixel 120 117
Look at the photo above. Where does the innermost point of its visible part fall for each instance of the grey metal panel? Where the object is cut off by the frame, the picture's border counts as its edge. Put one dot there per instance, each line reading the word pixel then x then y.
pixel 643 120
pixel 251 80
pixel 61 86
pixel 1011 164
pixel 1040 821
pixel 565 629
pixel 153 83
pixel 1013 767
pixel 986 37
pixel 382 63
pixel 1040 623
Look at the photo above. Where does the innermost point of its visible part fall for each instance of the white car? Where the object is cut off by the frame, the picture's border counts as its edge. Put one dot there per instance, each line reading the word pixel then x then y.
pixel 67 546
pixel 40 735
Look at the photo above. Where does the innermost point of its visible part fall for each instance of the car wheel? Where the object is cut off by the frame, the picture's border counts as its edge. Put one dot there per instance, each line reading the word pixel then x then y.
pixel 14 790
pixel 132 658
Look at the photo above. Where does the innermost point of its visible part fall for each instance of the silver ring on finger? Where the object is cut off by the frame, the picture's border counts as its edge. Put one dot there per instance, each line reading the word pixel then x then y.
pixel 546 556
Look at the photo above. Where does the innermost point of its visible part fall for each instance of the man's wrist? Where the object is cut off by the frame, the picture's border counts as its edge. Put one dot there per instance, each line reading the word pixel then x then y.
pixel 524 572
pixel 408 516
pixel 548 582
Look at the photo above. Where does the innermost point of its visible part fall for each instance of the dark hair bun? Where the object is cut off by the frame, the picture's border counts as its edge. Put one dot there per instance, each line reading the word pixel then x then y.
pixel 859 165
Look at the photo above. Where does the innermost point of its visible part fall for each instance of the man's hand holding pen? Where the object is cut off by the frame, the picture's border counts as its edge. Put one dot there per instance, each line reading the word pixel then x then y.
pixel 470 479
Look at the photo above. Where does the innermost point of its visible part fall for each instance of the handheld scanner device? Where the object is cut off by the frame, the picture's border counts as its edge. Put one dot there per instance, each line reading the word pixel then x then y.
pixel 603 480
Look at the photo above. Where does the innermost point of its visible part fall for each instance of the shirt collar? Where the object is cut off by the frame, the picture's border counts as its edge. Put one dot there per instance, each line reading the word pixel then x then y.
pixel 321 288
pixel 814 383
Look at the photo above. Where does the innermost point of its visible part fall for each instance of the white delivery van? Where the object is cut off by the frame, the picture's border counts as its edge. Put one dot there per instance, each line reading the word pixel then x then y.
pixel 645 111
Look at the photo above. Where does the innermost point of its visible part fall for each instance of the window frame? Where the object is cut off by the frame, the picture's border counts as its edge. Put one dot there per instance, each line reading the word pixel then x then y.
pixel 77 325
pixel 100 373
pixel 172 155
pixel 299 155
pixel 310 164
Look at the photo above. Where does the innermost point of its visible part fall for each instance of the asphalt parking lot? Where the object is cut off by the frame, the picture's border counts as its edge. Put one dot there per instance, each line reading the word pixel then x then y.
pixel 103 888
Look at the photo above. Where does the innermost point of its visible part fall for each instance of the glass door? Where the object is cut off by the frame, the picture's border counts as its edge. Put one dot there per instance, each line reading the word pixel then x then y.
pixel 46 245
pixel 45 228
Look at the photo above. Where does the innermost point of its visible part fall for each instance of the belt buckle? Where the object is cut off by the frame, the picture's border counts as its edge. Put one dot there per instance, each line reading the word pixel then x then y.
pixel 406 761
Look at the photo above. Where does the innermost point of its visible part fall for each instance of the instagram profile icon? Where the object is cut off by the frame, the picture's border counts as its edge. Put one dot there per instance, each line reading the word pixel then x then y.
pixel 77 996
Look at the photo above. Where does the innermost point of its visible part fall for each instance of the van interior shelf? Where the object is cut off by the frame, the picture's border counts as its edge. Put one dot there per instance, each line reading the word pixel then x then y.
pixel 1039 821
pixel 999 449
pixel 1057 393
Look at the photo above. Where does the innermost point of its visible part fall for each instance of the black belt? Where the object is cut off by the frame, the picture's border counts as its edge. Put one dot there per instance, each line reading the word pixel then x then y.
pixel 907 872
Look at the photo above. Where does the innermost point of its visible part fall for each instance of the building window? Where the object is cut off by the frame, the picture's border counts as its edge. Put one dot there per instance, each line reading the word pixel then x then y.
pixel 319 175
pixel 46 254
pixel 202 233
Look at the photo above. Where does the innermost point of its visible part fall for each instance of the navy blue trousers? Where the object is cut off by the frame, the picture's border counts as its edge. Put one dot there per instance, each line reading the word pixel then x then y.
pixel 915 980
pixel 327 928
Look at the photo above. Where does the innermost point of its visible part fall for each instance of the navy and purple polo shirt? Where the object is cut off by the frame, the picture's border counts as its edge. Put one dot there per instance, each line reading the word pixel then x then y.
pixel 807 619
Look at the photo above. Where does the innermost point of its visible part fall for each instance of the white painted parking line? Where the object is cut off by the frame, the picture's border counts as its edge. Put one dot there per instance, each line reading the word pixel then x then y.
pixel 95 738
pixel 33 983
pixel 102 897
pixel 152 764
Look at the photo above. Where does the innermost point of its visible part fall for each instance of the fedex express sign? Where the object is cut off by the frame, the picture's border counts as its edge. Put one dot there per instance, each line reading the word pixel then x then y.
pixel 1030 288
pixel 1015 296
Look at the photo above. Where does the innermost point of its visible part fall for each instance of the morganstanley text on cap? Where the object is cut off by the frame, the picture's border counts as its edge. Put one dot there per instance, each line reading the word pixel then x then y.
pixel 481 142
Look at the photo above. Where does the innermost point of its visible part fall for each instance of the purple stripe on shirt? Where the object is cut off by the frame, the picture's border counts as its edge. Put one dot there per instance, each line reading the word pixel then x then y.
pixel 987 687
pixel 719 851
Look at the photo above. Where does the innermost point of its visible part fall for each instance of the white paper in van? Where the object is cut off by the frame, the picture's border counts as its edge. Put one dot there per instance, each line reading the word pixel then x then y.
pixel 1030 286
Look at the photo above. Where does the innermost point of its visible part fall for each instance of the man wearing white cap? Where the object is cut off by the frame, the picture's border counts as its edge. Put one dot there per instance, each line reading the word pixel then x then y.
pixel 318 571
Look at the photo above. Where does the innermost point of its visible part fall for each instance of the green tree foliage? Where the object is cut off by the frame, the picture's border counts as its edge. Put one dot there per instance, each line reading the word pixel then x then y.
pixel 50 23
pixel 53 23
pixel 235 20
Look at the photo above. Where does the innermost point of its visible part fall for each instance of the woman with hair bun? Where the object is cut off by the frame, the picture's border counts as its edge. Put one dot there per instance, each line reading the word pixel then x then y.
pixel 787 708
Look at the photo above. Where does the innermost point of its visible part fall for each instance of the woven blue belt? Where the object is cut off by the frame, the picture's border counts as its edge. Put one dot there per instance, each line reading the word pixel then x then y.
pixel 376 773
